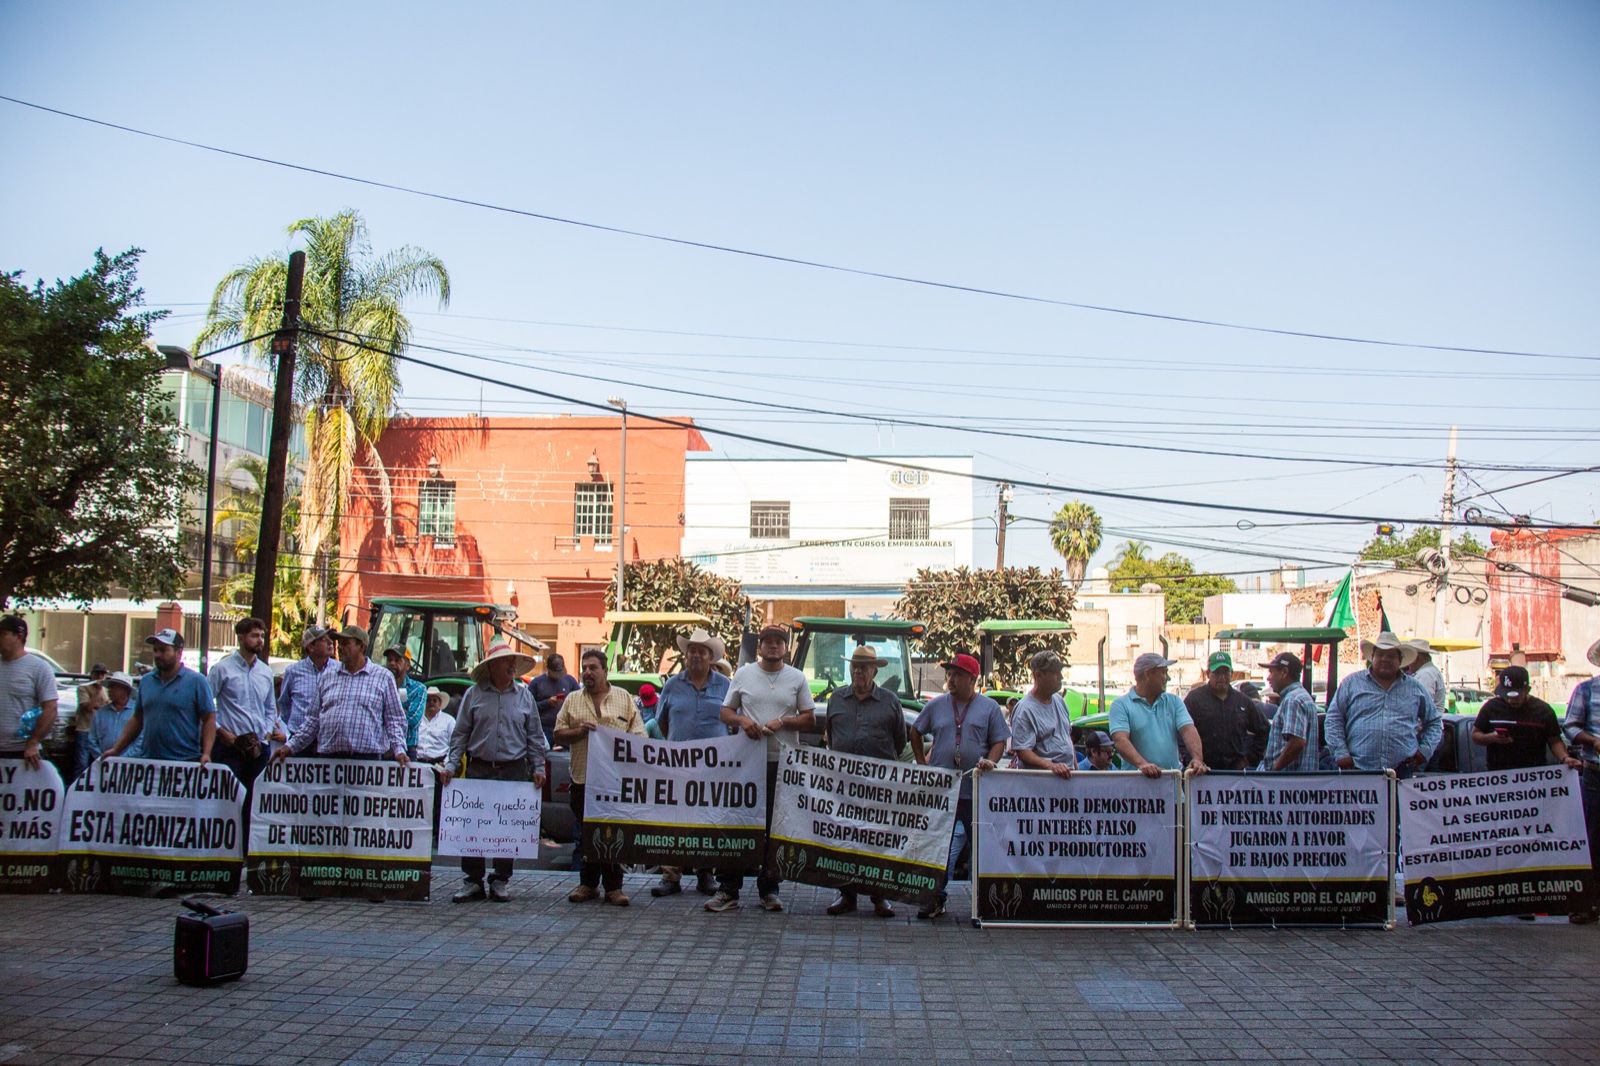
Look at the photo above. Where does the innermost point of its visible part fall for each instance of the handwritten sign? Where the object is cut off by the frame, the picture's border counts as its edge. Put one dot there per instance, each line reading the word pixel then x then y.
pixel 494 819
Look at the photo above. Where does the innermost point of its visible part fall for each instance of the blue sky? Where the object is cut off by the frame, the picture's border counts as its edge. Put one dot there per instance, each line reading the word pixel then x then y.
pixel 1419 172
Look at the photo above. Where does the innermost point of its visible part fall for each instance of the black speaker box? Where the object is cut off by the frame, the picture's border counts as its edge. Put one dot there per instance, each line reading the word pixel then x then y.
pixel 210 945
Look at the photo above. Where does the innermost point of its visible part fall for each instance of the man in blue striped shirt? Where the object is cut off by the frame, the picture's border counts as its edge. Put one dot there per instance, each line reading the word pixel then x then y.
pixel 301 679
pixel 1582 727
pixel 1381 718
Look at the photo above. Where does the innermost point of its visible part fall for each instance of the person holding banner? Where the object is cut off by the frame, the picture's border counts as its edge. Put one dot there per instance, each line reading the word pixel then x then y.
pixel 176 720
pixel 969 732
pixel 498 729
pixel 598 703
pixel 764 698
pixel 1582 728
pixel 864 719
pixel 26 682
pixel 1293 742
pixel 357 711
pixel 1381 718
pixel 1147 722
pixel 241 688
pixel 1041 727
pixel 690 708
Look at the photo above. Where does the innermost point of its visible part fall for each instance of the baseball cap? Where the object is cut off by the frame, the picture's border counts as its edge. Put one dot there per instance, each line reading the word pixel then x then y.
pixel 647 694
pixel 312 635
pixel 1511 679
pixel 1219 658
pixel 1288 660
pixel 394 649
pixel 1096 738
pixel 773 631
pixel 963 662
pixel 355 633
pixel 170 637
pixel 1045 660
pixel 1150 661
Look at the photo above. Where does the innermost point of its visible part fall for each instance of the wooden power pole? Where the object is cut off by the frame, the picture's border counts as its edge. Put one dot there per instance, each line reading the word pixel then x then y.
pixel 1005 520
pixel 283 347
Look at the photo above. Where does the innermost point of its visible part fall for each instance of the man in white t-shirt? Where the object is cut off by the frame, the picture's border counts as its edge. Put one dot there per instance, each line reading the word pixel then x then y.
pixel 26 682
pixel 433 735
pixel 763 698
pixel 1041 728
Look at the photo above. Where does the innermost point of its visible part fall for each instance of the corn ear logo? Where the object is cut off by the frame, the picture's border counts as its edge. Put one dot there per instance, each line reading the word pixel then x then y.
pixel 1217 903
pixel 1004 898
pixel 790 861
pixel 82 875
pixel 608 841
pixel 273 876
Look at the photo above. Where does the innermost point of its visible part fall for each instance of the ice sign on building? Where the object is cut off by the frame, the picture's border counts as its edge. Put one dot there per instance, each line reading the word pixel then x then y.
pixel 904 477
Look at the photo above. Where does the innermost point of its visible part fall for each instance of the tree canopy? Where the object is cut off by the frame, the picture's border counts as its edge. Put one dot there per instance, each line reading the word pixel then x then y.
pixel 93 482
pixel 1186 590
pixel 952 603
pixel 1405 548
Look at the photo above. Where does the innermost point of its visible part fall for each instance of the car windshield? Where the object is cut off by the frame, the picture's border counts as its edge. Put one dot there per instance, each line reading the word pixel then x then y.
pixel 828 659
pixel 452 648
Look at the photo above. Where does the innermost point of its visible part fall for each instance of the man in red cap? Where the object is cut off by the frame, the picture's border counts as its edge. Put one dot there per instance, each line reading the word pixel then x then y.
pixel 969 732
pixel 648 702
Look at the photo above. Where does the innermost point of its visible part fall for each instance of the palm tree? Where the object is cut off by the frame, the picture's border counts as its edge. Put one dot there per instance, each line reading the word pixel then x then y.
pixel 347 374
pixel 1075 535
pixel 1132 551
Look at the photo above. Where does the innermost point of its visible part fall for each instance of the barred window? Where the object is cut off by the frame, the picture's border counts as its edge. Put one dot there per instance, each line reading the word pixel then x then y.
pixel 908 520
pixel 436 512
pixel 769 520
pixel 591 510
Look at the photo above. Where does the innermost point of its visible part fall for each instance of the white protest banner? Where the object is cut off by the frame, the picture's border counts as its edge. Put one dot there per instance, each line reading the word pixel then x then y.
pixel 1291 849
pixel 342 827
pixel 135 826
pixel 878 824
pixel 685 803
pixel 1504 842
pixel 494 819
pixel 31 802
pixel 1098 847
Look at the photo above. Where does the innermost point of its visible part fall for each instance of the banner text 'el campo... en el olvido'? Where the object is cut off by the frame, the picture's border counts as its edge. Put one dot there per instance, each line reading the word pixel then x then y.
pixel 1290 849
pixel 138 826
pixel 1098 847
pixel 878 824
pixel 31 802
pixel 1504 842
pixel 342 827
pixel 685 803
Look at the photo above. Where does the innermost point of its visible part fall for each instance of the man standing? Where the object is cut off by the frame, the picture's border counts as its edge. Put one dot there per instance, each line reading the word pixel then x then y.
pixel 301 679
pixel 1518 728
pixel 1041 728
pixel 112 719
pixel 241 689
pixel 1381 719
pixel 413 693
pixel 433 736
pixel 1294 741
pixel 1232 729
pixel 969 732
pixel 550 688
pixel 864 719
pixel 690 708
pixel 599 703
pixel 1427 675
pixel 1148 721
pixel 176 719
pixel 764 698
pixel 1582 727
pixel 498 729
pixel 26 682
pixel 357 711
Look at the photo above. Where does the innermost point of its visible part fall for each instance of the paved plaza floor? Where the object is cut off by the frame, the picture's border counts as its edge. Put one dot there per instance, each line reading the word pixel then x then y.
pixel 538 980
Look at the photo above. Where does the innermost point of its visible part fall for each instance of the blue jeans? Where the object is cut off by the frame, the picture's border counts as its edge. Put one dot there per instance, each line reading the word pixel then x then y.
pixel 1589 789
pixel 959 838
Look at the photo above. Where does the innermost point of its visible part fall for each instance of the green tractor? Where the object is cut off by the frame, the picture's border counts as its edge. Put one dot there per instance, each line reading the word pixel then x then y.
pixel 1078 703
pixel 443 639
pixel 823 646
pixel 624 673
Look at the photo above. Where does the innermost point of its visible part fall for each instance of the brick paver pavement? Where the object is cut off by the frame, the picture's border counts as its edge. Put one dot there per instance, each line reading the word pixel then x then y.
pixel 539 980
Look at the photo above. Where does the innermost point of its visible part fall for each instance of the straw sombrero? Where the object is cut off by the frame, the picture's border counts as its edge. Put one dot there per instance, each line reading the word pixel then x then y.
pixel 501 649
pixel 1386 642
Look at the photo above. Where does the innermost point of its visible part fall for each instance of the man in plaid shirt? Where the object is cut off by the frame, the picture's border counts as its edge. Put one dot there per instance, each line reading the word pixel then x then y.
pixel 357 710
pixel 1295 742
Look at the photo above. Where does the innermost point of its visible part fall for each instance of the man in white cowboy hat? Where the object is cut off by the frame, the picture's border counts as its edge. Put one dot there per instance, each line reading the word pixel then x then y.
pixel 864 719
pixel 498 729
pixel 112 719
pixel 433 736
pixel 690 708
pixel 1582 727
pixel 1381 719
pixel 1427 674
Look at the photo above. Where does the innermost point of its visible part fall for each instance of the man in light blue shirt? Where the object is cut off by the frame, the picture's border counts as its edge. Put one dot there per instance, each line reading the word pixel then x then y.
pixel 241 687
pixel 176 717
pixel 300 680
pixel 109 722
pixel 1582 728
pixel 1147 722
pixel 1381 718
pixel 690 708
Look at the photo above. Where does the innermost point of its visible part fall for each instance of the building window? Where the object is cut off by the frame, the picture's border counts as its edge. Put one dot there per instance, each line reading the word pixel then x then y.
pixel 436 512
pixel 908 520
pixel 769 520
pixel 1133 634
pixel 591 511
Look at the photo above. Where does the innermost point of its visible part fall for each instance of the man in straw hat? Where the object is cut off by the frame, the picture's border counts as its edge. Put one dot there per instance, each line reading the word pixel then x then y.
pixel 1427 674
pixel 690 708
pixel 357 710
pixel 1582 727
pixel 498 729
pixel 300 680
pixel 1381 719
pixel 864 719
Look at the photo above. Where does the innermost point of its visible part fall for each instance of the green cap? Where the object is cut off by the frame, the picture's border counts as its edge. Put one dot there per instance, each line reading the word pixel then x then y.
pixel 1219 658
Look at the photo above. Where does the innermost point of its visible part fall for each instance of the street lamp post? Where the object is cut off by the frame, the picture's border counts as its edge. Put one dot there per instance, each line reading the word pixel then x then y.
pixel 622 501
pixel 181 359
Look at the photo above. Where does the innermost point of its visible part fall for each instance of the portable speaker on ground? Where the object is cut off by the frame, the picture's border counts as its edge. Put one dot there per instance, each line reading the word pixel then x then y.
pixel 210 945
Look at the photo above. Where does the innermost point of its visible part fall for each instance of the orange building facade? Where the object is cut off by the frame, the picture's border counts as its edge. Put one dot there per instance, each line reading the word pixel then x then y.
pixel 513 511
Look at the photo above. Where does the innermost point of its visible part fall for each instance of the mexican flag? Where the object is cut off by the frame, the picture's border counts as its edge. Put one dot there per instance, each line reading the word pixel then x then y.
pixel 1340 611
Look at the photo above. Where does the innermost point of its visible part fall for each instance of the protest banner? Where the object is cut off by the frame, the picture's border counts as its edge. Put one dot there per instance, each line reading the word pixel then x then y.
pixel 31 802
pixel 1504 842
pixel 880 825
pixel 493 819
pixel 1098 848
pixel 1291 849
pixel 686 803
pixel 139 826
pixel 342 827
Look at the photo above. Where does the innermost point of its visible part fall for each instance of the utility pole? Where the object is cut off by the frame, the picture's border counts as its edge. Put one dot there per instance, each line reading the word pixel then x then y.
pixel 283 346
pixel 1005 520
pixel 622 502
pixel 1447 514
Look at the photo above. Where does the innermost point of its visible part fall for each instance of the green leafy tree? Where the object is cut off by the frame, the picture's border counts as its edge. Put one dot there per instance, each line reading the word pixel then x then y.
pixel 1405 549
pixel 1186 590
pixel 346 374
pixel 93 482
pixel 239 514
pixel 1075 535
pixel 952 603
pixel 679 585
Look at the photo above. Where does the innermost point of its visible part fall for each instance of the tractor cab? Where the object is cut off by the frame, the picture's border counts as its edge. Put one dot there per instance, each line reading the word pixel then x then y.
pixel 1311 638
pixel 992 629
pixel 629 644
pixel 823 646
pixel 443 640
